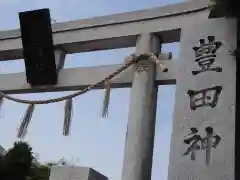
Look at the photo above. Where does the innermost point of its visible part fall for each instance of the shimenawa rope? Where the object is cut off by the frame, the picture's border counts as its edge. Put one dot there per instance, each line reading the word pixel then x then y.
pixel 135 59
pixel 142 66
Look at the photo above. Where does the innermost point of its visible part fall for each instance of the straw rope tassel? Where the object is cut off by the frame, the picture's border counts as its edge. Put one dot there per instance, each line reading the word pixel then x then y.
pixel 68 117
pixel 106 100
pixel 25 122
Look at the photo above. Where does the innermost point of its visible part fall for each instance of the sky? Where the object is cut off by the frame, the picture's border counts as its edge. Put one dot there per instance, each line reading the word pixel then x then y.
pixel 94 141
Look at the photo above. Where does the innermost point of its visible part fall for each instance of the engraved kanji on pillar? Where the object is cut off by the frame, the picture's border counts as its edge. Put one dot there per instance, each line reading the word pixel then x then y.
pixel 205 54
pixel 204 97
pixel 196 142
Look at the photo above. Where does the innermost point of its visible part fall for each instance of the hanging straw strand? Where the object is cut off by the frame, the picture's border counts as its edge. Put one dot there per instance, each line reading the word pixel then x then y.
pixel 25 122
pixel 68 117
pixel 106 100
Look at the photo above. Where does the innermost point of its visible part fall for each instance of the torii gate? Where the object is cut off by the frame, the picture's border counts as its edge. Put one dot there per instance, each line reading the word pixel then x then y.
pixel 209 153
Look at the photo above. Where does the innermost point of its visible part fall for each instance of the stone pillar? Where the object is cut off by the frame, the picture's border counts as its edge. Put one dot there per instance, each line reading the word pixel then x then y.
pixel 137 163
pixel 203 137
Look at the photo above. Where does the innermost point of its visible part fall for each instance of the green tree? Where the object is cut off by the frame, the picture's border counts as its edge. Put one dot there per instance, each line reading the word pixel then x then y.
pixel 16 164
pixel 227 8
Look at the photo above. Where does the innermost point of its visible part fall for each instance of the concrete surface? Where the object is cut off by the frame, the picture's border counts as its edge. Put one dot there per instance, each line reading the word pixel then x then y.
pixel 75 173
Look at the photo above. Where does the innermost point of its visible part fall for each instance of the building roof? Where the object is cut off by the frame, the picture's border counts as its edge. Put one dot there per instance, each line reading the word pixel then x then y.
pixel 2 151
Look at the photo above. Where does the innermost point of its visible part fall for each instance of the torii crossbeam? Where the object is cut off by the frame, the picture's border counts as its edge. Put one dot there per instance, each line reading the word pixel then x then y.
pixel 107 32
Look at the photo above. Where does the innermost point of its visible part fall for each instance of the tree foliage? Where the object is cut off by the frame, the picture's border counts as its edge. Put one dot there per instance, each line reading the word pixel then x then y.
pixel 228 7
pixel 16 164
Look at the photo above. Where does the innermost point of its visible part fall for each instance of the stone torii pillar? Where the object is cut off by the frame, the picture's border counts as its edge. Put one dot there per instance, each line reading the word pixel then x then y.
pixel 203 137
pixel 137 163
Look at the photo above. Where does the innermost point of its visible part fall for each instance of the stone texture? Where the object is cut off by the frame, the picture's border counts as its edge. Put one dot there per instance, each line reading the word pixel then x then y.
pixel 221 118
pixel 137 163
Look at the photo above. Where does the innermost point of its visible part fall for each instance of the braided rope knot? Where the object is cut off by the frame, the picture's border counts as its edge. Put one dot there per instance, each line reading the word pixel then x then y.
pixel 144 60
